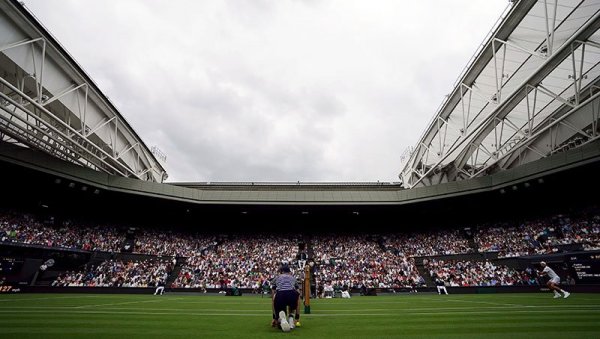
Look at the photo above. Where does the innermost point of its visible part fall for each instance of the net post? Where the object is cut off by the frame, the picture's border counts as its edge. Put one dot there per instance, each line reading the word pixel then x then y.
pixel 306 289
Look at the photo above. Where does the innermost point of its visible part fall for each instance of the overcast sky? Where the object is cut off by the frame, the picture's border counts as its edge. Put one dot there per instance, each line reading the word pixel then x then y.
pixel 280 90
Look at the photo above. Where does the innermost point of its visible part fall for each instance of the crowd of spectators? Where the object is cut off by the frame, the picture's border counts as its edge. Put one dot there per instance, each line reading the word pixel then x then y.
pixel 440 242
pixel 541 236
pixel 118 273
pixel 356 261
pixel 25 229
pixel 171 243
pixel 478 273
pixel 248 261
pixel 241 261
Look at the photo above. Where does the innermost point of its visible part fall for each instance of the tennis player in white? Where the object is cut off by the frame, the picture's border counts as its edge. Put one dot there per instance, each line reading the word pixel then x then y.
pixel 554 281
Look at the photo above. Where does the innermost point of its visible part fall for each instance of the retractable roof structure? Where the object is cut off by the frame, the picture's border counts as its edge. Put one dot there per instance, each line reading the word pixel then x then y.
pixel 48 103
pixel 530 91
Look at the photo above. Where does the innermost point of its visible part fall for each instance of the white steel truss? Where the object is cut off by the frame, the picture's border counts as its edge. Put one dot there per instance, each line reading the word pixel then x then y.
pixel 529 92
pixel 47 102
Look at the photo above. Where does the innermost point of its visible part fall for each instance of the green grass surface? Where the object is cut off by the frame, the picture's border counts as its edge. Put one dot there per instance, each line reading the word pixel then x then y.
pixel 399 316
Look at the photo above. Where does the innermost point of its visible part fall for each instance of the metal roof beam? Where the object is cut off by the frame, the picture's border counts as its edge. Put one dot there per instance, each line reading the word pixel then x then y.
pixel 526 141
pixel 516 14
pixel 40 67
pixel 532 82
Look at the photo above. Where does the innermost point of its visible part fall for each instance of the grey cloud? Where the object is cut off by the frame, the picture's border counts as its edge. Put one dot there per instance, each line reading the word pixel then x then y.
pixel 272 90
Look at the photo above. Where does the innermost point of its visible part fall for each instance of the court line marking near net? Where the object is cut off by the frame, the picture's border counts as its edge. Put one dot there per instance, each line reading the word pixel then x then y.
pixel 121 303
pixel 413 310
pixel 489 303
pixel 306 315
pixel 318 301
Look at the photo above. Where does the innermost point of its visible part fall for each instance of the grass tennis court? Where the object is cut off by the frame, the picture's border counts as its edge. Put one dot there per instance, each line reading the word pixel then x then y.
pixel 396 316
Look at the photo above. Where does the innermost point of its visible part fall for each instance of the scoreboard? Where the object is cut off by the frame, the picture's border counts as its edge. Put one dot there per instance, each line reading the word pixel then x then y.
pixel 585 267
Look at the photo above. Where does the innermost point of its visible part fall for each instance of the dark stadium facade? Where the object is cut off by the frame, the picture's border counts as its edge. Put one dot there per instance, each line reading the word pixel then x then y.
pixel 549 184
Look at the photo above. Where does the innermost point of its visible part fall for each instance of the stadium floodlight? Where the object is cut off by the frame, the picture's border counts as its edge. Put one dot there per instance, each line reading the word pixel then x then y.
pixel 96 191
pixel 71 185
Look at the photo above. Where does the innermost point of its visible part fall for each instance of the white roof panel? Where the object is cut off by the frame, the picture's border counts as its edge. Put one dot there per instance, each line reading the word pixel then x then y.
pixel 529 52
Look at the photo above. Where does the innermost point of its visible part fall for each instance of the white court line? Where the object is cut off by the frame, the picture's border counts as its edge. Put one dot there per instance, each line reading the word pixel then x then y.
pixel 506 308
pixel 114 304
pixel 52 298
pixel 488 303
pixel 545 296
pixel 317 302
pixel 549 296
pixel 304 315
pixel 564 308
pixel 320 301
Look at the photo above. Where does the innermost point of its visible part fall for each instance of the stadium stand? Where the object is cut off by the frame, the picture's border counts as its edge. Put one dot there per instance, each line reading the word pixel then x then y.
pixel 118 273
pixel 458 273
pixel 384 261
pixel 240 261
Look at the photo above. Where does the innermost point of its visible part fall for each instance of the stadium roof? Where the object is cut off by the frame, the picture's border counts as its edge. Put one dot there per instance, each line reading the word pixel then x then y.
pixel 49 103
pixel 58 172
pixel 530 91
pixel 298 185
